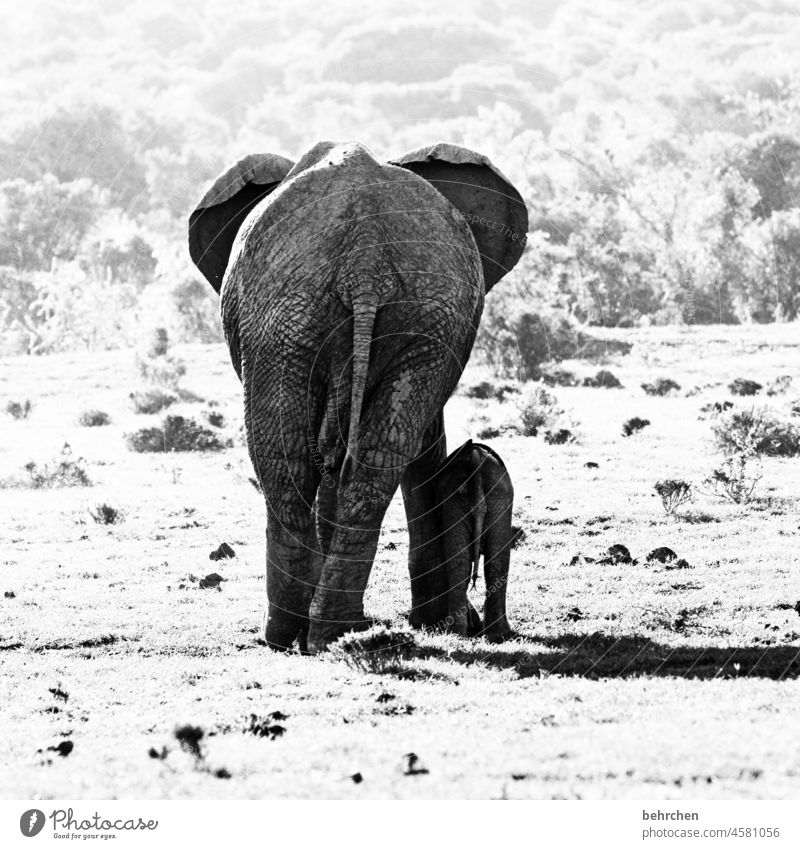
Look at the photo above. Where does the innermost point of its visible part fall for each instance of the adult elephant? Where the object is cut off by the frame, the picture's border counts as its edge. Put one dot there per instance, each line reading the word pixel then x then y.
pixel 351 294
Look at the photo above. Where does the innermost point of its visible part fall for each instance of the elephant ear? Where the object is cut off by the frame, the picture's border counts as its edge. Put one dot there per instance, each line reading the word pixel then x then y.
pixel 217 218
pixel 494 209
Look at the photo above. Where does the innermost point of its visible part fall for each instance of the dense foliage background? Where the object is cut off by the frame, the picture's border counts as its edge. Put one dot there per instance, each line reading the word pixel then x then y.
pixel 656 143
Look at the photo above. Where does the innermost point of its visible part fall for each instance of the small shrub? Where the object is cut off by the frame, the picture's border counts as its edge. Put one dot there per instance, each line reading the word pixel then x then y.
pixel 62 472
pixel 214 418
pixel 602 380
pixel 506 389
pixel 378 650
pixel 94 418
pixel 554 376
pixel 159 343
pixel 482 391
pixel 559 437
pixel 152 401
pixel 673 494
pixel 742 386
pixel 175 434
pixel 489 433
pixel 734 480
pixel 537 408
pixel 780 386
pixel 662 386
pixel 634 425
pixel 164 370
pixel 105 514
pixel 19 410
pixel 715 408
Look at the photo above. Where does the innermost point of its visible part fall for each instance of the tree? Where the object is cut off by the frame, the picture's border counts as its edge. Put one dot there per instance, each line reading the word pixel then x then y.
pixel 46 220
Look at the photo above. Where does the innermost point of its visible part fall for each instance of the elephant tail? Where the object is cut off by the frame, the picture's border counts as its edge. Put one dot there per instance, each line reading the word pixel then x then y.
pixel 364 311
pixel 479 512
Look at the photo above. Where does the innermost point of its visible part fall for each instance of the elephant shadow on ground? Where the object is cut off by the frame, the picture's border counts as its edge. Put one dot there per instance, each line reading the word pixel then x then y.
pixel 604 656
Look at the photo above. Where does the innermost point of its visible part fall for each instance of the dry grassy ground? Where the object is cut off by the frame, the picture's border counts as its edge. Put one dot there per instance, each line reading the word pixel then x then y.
pixel 668 683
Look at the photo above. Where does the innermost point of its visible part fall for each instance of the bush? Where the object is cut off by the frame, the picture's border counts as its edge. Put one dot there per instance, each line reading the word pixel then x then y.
pixel 751 432
pixel 162 370
pixel 559 437
pixel 94 418
pixel 602 380
pixel 662 386
pixel 634 425
pixel 378 650
pixel 152 401
pixel 19 410
pixel 176 434
pixel 105 514
pixel 673 494
pixel 537 408
pixel 520 344
pixel 741 386
pixel 59 473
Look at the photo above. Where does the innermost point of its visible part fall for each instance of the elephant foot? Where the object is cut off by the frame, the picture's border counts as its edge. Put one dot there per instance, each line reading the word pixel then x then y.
pixel 474 624
pixel 322 634
pixel 281 631
pixel 498 632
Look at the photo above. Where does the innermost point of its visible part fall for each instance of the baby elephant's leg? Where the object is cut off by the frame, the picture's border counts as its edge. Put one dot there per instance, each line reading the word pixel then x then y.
pixel 497 553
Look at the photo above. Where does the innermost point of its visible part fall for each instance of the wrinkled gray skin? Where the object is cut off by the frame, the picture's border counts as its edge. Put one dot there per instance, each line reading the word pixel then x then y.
pixel 351 292
pixel 476 499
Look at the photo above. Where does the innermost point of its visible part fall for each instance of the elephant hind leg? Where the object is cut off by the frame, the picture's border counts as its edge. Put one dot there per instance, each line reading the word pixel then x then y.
pixel 497 555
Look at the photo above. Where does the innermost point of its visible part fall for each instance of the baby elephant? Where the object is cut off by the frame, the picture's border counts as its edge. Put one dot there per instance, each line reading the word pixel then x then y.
pixel 475 499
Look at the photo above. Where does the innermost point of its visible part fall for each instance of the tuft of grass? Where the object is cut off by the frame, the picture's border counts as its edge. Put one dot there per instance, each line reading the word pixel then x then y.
pixel 661 387
pixel 105 514
pixel 19 409
pixel 176 433
pixel 378 650
pixel 94 418
pixel 151 401
pixel 634 425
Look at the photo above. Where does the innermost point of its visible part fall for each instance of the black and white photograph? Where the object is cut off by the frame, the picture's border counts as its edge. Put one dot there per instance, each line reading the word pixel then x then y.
pixel 400 401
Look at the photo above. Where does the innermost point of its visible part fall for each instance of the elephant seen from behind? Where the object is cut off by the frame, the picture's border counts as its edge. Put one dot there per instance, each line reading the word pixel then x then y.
pixel 351 291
